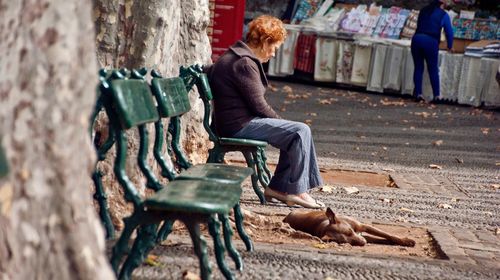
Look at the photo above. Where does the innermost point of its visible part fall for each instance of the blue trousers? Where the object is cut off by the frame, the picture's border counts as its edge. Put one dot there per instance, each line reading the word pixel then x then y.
pixel 425 47
pixel 297 170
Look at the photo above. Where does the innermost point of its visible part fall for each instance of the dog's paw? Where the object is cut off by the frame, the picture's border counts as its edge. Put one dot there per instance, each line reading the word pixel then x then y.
pixel 408 242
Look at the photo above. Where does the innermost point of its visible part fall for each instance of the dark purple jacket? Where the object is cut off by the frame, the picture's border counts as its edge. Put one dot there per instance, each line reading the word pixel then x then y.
pixel 238 84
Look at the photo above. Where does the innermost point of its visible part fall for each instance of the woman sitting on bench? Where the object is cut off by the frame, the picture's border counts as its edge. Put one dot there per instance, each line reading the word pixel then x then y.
pixel 239 83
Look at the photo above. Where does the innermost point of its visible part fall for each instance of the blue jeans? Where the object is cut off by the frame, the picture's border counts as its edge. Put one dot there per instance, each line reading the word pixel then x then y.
pixel 425 47
pixel 297 170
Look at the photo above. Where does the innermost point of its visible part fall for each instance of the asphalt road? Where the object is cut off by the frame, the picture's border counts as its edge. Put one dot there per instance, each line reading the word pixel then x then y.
pixel 381 128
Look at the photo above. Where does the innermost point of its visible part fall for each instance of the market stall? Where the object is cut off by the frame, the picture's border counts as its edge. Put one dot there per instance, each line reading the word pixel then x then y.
pixel 370 47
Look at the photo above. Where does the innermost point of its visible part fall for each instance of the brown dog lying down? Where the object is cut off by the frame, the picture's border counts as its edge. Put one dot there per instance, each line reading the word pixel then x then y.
pixel 341 229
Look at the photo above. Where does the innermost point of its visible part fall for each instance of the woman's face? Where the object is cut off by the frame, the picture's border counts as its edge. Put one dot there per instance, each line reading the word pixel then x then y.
pixel 269 50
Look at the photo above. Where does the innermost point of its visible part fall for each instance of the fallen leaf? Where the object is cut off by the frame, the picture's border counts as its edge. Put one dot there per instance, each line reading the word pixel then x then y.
pixel 485 130
pixel 384 148
pixel 455 199
pixel 351 190
pixel 489 213
pixel 325 102
pixel 287 89
pixel 320 245
pixel 273 88
pixel 356 148
pixel 459 160
pixel 188 275
pixel 497 231
pixel 312 114
pixel 438 143
pixel 327 188
pixel 385 200
pixel 152 260
pixel 439 131
pixel 392 103
pixel 423 114
pixel 495 186
pixel 305 96
pixel 445 206
pixel 308 122
pixel 388 169
pixel 401 220
pixel 435 166
pixel 403 209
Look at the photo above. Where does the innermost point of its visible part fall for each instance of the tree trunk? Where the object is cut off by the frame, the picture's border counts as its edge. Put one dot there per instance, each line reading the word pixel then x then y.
pixel 157 34
pixel 48 74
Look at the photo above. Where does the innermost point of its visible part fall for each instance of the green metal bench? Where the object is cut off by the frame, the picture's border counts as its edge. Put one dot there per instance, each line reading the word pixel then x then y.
pixel 129 103
pixel 100 194
pixel 252 150
pixel 173 101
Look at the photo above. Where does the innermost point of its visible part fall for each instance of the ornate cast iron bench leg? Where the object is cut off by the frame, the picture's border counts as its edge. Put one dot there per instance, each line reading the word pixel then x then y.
pixel 214 230
pixel 200 248
pixel 255 177
pixel 101 198
pixel 228 234
pixel 121 247
pixel 263 179
pixel 165 230
pixel 144 243
pixel 238 219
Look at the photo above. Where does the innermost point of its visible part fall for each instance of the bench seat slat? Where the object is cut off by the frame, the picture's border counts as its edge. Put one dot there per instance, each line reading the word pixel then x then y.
pixel 195 196
pixel 223 173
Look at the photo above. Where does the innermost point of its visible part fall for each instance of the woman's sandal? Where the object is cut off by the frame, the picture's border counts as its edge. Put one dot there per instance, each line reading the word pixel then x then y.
pixel 291 199
pixel 297 200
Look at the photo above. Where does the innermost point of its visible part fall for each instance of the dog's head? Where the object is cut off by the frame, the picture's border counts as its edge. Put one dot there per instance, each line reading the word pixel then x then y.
pixel 340 231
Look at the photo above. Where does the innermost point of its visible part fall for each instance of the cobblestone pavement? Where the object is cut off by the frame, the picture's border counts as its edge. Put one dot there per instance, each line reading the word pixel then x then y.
pixel 457 201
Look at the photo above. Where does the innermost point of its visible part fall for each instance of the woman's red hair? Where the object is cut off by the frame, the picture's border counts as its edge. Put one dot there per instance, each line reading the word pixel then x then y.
pixel 264 28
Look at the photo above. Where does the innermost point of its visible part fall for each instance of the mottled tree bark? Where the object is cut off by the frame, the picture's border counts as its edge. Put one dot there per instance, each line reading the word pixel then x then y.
pixel 157 34
pixel 48 73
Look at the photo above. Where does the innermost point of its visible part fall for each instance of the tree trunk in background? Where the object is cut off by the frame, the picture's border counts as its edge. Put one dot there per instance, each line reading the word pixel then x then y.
pixel 157 34
pixel 48 73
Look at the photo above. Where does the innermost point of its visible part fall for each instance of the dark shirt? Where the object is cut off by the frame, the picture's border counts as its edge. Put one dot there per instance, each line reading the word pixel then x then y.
pixel 238 84
pixel 431 20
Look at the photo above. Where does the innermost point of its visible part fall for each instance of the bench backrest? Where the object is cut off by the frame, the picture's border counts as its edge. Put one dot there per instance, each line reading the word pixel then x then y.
pixel 171 96
pixel 129 103
pixel 133 102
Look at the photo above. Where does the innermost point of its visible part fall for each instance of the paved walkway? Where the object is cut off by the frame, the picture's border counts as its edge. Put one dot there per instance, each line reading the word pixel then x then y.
pixel 456 200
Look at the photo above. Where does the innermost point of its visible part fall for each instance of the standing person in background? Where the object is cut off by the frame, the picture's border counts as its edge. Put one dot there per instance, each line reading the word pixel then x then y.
pixel 238 84
pixel 425 45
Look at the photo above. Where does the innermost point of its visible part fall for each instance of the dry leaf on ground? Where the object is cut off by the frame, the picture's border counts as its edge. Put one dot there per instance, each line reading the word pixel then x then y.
pixel 152 260
pixel 327 188
pixel 459 160
pixel 325 102
pixel 438 143
pixel 287 89
pixel 403 209
pixel 497 231
pixel 392 103
pixel 423 114
pixel 388 169
pixel 320 245
pixel 273 88
pixel 351 190
pixel 312 114
pixel 435 166
pixel 188 275
pixel 495 186
pixel 485 130
pixel 445 206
